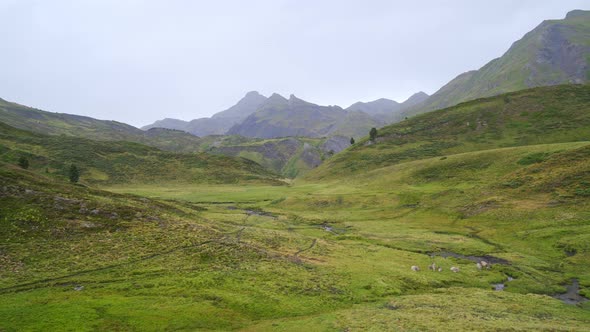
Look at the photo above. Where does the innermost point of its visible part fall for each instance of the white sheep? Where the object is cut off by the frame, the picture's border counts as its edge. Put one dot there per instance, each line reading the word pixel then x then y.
pixel 455 269
pixel 479 265
pixel 415 268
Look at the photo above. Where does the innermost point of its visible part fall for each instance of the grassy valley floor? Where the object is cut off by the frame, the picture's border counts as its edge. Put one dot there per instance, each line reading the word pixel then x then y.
pixel 331 256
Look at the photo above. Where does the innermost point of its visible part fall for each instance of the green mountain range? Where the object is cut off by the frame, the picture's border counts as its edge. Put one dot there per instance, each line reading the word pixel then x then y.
pixel 555 52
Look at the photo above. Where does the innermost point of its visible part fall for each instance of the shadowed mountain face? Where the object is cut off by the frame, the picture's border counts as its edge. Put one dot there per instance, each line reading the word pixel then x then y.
pixel 555 52
pixel 259 117
pixel 289 156
pixel 219 123
pixel 281 117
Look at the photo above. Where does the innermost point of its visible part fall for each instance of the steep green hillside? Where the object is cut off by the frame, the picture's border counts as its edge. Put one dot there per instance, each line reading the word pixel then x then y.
pixel 48 123
pixel 555 52
pixel 535 116
pixel 122 162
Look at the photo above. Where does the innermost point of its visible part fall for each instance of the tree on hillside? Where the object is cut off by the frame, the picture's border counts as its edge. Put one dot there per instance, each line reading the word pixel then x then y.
pixel 352 141
pixel 23 162
pixel 373 134
pixel 74 174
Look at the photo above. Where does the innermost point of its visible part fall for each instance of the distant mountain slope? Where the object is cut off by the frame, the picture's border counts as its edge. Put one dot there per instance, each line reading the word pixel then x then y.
pixel 220 122
pixel 386 110
pixel 290 156
pixel 258 117
pixel 123 162
pixel 281 117
pixel 49 123
pixel 553 114
pixel 375 107
pixel 555 52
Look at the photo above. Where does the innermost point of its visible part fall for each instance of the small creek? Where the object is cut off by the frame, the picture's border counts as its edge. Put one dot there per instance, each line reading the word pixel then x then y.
pixel 476 259
pixel 502 285
pixel 572 294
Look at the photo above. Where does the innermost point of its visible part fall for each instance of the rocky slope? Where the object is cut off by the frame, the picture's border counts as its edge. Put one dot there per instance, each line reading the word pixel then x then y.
pixel 555 52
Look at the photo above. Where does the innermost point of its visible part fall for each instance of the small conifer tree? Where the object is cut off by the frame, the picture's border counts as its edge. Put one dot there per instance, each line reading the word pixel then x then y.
pixel 373 134
pixel 74 174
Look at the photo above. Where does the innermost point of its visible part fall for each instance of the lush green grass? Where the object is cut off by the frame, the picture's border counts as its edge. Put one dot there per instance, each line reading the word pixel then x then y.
pixel 387 220
pixel 203 260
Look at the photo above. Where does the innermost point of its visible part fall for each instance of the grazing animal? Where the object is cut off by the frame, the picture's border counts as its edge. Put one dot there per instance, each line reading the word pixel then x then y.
pixel 485 264
pixel 478 266
pixel 415 268
pixel 440 269
pixel 432 267
pixel 455 269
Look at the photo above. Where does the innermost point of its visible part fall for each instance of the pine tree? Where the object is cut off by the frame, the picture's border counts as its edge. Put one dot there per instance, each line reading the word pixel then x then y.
pixel 373 134
pixel 74 174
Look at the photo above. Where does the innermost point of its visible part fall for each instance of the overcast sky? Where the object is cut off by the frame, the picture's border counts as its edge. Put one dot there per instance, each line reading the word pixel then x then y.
pixel 139 61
